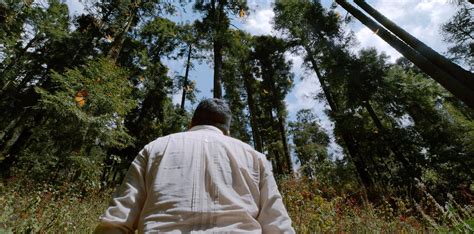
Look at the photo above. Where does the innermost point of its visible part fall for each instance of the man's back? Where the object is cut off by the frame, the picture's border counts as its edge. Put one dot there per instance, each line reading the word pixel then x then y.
pixel 200 180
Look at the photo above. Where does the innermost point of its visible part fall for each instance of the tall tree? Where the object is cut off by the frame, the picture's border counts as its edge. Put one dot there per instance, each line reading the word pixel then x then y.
pixel 62 62
pixel 460 87
pixel 48 30
pixel 215 24
pixel 189 50
pixel 310 141
pixel 459 31
pixel 277 79
pixel 455 71
pixel 239 59
pixel 318 33
pixel 235 54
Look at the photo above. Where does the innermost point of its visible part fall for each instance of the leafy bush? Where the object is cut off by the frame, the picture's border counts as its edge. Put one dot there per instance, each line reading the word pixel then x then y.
pixel 29 208
pixel 312 210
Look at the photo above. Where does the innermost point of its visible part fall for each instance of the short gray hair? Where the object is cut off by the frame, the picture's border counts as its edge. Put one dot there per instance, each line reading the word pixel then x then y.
pixel 213 111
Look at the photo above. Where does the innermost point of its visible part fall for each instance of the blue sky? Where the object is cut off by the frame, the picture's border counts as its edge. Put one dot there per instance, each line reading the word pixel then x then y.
pixel 421 18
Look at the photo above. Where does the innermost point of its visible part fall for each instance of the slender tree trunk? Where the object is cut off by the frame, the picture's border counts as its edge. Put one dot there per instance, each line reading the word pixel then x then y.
pixel 348 139
pixel 186 74
pixel 252 111
pixel 393 145
pixel 454 86
pixel 278 163
pixel 217 69
pixel 279 106
pixel 284 140
pixel 119 39
pixel 13 123
pixel 324 86
pixel 458 73
pixel 217 45
pixel 13 63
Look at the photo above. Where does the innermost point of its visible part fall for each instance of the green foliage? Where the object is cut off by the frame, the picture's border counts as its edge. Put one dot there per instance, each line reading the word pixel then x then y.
pixel 459 31
pixel 275 81
pixel 313 209
pixel 394 123
pixel 79 102
pixel 71 140
pixel 310 142
pixel 48 208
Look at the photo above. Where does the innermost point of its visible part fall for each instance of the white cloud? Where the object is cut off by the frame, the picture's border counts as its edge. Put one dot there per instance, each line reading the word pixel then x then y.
pixel 176 97
pixel 75 7
pixel 422 19
pixel 260 22
pixel 305 90
pixel 303 96
pixel 368 39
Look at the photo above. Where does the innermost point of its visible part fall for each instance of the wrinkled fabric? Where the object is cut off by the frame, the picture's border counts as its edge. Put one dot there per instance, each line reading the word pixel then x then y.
pixel 198 181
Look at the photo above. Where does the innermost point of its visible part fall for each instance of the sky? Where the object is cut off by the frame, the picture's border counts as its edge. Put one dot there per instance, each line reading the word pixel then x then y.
pixel 421 18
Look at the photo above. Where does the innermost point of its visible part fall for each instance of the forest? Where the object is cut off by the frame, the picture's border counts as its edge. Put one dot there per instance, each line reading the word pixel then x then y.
pixel 82 94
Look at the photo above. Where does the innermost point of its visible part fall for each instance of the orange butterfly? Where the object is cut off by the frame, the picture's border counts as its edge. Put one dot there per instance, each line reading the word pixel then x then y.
pixel 80 97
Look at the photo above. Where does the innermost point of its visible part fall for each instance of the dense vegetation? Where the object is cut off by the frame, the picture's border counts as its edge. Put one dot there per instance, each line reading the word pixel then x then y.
pixel 81 95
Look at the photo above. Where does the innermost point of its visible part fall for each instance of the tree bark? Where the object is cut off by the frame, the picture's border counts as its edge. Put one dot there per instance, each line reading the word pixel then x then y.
pixel 252 112
pixel 186 74
pixel 217 69
pixel 348 139
pixel 454 86
pixel 458 73
pixel 393 145
pixel 217 46
pixel 284 140
pixel 119 39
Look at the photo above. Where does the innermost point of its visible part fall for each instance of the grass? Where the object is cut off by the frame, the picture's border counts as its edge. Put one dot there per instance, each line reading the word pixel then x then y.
pixel 46 209
pixel 60 209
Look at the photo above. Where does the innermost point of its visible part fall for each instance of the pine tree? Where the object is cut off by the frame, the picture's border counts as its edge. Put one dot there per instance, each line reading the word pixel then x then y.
pixel 277 79
pixel 310 142
pixel 459 31
pixel 215 25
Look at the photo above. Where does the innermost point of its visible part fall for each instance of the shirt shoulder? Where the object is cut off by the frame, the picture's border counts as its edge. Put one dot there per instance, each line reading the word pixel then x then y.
pixel 157 146
pixel 246 147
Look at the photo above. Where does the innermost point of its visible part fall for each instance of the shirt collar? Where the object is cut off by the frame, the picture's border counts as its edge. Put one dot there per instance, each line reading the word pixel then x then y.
pixel 206 127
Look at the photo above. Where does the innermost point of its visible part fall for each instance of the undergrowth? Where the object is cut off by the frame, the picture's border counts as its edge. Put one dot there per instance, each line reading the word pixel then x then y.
pixel 30 208
pixel 49 209
pixel 314 209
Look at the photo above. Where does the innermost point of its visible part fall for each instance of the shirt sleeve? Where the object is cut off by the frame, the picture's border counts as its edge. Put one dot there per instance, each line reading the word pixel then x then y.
pixel 125 207
pixel 273 216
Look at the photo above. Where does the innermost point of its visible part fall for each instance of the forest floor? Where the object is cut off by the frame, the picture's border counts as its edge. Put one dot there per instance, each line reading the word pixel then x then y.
pixel 48 209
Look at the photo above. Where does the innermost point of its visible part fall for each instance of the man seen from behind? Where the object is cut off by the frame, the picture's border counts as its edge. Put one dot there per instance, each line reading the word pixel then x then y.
pixel 201 180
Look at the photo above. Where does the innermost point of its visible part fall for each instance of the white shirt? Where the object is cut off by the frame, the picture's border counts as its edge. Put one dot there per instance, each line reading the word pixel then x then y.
pixel 198 181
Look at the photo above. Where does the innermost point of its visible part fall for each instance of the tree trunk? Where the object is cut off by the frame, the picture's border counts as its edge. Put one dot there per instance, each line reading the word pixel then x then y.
pixel 13 63
pixel 348 139
pixel 284 140
pixel 217 69
pixel 13 123
pixel 393 145
pixel 186 74
pixel 458 73
pixel 252 112
pixel 454 86
pixel 278 164
pixel 217 46
pixel 119 39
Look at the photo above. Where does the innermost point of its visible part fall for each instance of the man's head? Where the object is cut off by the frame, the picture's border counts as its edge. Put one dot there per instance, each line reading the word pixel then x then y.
pixel 213 112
